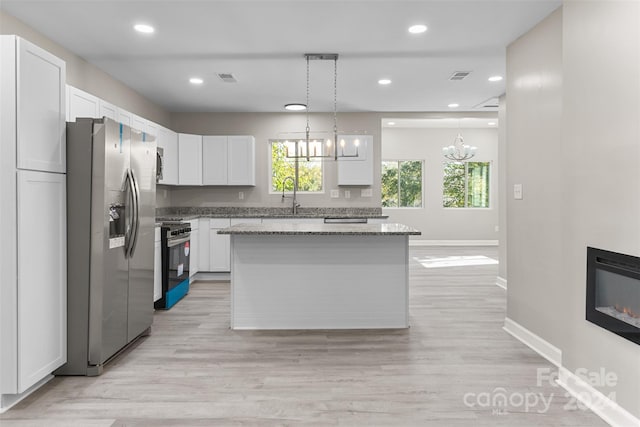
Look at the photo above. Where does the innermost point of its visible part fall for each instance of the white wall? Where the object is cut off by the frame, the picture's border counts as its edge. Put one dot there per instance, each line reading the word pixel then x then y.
pixel 573 141
pixel 436 222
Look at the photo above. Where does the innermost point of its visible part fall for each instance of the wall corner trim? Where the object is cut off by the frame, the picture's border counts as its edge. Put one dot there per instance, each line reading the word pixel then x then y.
pixel 502 282
pixel 601 405
pixel 544 348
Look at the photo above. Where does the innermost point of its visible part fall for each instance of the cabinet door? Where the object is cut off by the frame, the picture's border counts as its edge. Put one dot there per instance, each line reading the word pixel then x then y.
pixel 214 160
pixel 42 291
pixel 356 170
pixel 108 110
pixel 152 129
pixel 157 272
pixel 168 140
pixel 241 160
pixel 124 117
pixel 41 140
pixel 194 244
pixel 139 123
pixel 203 244
pixel 82 104
pixel 219 251
pixel 189 159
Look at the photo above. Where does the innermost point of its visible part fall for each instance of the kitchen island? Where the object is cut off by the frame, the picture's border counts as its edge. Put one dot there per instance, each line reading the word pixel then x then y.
pixel 319 276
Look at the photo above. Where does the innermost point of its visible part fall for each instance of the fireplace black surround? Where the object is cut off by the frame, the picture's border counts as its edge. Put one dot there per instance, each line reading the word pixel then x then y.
pixel 613 292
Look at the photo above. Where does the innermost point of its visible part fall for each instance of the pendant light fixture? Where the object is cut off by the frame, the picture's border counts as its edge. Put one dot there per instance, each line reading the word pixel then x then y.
pixel 459 151
pixel 310 147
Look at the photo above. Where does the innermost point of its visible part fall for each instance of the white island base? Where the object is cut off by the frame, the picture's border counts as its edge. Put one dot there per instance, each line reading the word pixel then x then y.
pixel 319 281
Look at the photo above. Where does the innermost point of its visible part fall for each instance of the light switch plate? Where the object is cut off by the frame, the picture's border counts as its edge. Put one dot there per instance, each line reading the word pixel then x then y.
pixel 347 194
pixel 366 192
pixel 517 191
pixel 335 194
pixel 241 195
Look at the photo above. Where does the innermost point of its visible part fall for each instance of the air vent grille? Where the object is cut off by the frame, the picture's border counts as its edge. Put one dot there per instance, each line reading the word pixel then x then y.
pixel 459 75
pixel 227 77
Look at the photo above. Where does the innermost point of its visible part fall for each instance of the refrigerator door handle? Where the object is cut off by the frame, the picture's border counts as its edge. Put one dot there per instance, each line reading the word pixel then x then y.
pixel 132 214
pixel 136 196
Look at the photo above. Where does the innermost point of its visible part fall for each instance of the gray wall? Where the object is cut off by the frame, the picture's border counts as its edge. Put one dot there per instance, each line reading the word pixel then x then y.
pixel 436 222
pixel 572 135
pixel 502 188
pixel 85 76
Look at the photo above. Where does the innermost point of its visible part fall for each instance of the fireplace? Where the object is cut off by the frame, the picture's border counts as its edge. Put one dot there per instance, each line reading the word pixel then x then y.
pixel 613 292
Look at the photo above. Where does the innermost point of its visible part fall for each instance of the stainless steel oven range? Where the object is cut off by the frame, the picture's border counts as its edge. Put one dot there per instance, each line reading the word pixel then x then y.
pixel 175 240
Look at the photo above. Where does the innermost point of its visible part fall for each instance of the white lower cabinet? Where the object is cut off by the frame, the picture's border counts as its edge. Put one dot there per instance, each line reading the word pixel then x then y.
pixel 194 245
pixel 42 291
pixel 219 246
pixel 157 267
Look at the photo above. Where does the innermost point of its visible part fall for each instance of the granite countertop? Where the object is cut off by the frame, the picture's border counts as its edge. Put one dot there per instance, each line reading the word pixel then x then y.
pixel 322 229
pixel 187 213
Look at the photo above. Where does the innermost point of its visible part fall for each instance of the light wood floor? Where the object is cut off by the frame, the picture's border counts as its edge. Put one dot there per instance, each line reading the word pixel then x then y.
pixel 194 371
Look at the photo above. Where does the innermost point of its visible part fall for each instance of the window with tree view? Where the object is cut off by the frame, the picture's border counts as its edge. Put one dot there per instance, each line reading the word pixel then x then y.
pixel 402 183
pixel 466 185
pixel 309 172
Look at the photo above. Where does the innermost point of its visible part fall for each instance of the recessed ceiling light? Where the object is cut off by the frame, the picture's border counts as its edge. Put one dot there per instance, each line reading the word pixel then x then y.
pixel 144 28
pixel 384 82
pixel 196 81
pixel 391 123
pixel 295 107
pixel 495 78
pixel 491 123
pixel 417 29
pixel 454 105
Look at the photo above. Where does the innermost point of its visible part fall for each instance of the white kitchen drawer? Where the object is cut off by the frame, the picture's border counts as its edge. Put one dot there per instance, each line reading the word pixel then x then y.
pixel 194 223
pixel 235 221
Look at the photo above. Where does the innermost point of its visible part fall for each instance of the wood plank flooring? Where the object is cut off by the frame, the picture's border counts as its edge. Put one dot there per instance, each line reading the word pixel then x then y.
pixel 443 371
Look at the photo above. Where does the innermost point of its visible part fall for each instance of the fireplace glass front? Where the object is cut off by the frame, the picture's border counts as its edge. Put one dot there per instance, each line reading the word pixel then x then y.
pixel 613 292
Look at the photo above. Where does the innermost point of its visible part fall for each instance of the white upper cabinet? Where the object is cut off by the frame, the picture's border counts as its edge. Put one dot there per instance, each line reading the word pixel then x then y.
pixel 356 170
pixel 189 159
pixel 81 104
pixel 40 100
pixel 228 160
pixel 153 129
pixel 168 141
pixel 139 123
pixel 107 110
pixel 241 160
pixel 214 160
pixel 124 117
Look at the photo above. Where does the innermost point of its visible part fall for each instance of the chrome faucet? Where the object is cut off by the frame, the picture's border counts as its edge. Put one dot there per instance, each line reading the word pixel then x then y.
pixel 294 202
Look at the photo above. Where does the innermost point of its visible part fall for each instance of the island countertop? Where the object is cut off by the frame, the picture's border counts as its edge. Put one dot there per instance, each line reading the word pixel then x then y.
pixel 290 229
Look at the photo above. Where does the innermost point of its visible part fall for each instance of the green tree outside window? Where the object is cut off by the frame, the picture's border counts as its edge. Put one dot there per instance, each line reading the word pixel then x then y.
pixel 466 185
pixel 309 172
pixel 401 183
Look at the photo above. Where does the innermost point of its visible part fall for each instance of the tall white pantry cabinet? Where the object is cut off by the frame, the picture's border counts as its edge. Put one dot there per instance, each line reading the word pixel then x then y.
pixel 33 255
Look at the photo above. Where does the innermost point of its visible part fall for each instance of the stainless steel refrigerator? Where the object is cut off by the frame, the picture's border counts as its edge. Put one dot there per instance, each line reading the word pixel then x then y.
pixel 111 188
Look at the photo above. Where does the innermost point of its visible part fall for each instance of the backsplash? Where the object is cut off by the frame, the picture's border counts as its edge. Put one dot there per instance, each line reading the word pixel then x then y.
pixel 246 212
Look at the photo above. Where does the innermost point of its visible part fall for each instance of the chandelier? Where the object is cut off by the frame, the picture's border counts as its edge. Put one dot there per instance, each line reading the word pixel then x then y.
pixel 459 151
pixel 323 144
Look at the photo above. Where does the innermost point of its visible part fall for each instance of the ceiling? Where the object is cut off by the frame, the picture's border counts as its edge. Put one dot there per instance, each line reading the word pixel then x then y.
pixel 262 43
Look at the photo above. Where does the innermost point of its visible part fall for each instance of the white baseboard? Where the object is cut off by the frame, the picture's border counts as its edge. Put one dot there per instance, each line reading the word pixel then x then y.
pixel 7 401
pixel 453 242
pixel 601 405
pixel 544 348
pixel 223 277
pixel 501 282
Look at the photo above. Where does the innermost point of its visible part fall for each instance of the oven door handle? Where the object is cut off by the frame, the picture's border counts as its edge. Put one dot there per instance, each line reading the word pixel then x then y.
pixel 174 242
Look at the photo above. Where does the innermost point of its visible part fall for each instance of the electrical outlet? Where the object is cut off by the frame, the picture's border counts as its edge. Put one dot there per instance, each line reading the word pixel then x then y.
pixel 335 194
pixel 241 195
pixel 366 192
pixel 347 194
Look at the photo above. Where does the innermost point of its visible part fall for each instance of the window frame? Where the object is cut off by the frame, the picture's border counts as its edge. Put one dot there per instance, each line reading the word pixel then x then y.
pixel 422 183
pixel 466 185
pixel 270 156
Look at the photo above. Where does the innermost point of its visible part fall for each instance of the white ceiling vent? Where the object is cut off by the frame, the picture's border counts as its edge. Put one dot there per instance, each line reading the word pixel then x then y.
pixel 227 78
pixel 459 75
pixel 489 103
